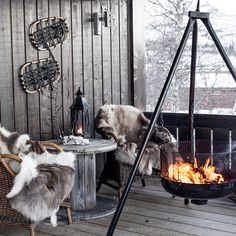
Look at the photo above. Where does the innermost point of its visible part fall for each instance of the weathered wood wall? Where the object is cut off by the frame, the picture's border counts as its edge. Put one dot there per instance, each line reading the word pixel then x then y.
pixel 98 64
pixel 138 54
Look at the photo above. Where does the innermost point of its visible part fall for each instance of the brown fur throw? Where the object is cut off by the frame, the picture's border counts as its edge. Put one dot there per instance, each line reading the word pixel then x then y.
pixel 43 182
pixel 127 126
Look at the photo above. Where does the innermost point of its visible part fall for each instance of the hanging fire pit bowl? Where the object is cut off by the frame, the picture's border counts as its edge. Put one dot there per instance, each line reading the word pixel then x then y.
pixel 194 171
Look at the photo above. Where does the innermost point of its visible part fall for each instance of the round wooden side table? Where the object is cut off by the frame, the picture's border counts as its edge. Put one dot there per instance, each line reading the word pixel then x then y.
pixel 84 202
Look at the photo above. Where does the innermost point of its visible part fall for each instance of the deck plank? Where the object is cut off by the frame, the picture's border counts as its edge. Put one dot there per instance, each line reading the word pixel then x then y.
pixel 143 229
pixel 180 219
pixel 150 211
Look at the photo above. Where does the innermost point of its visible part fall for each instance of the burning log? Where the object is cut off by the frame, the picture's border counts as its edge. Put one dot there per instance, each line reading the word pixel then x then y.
pixel 188 173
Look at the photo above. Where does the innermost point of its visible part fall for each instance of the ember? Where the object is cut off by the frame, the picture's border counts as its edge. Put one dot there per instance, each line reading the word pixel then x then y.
pixel 188 173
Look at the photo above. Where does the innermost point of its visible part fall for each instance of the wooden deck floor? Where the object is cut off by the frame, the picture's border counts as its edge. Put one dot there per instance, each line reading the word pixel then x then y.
pixel 153 212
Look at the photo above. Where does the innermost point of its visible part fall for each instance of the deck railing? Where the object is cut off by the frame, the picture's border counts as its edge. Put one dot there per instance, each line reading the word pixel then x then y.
pixel 206 127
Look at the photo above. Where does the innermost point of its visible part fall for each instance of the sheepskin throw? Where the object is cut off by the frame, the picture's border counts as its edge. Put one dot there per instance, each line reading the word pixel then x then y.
pixel 127 126
pixel 43 182
pixel 14 143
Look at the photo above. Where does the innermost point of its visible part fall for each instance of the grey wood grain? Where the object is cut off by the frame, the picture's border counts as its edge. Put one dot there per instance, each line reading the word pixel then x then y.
pixel 83 195
pixel 45 101
pixel 77 51
pixel 124 82
pixel 98 76
pixel 88 58
pixel 90 180
pixel 6 92
pixel 150 211
pixel 138 54
pixel 97 65
pixel 115 51
pixel 67 88
pixel 56 101
pixel 85 61
pixel 106 60
pixel 18 59
pixel 94 146
pixel 31 55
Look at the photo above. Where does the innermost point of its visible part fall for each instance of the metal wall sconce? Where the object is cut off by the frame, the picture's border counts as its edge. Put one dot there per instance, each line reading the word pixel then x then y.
pixel 97 19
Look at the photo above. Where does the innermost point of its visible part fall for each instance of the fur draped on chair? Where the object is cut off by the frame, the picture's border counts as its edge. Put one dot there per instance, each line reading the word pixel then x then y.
pixel 13 142
pixel 43 182
pixel 127 126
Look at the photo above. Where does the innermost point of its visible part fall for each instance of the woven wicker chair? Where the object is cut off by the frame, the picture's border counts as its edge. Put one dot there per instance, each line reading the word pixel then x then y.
pixel 9 216
pixel 115 174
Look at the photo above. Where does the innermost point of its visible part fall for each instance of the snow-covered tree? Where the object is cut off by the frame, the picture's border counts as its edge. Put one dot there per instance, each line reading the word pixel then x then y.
pixel 165 24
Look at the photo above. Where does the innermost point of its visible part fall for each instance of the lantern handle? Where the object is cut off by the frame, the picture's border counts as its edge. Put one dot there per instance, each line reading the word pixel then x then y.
pixel 79 93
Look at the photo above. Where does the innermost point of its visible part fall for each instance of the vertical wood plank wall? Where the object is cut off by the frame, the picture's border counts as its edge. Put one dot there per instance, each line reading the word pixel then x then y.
pixel 139 87
pixel 96 63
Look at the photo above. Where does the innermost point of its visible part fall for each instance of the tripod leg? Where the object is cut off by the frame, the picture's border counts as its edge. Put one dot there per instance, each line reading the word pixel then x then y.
pixel 156 114
pixel 219 46
pixel 192 89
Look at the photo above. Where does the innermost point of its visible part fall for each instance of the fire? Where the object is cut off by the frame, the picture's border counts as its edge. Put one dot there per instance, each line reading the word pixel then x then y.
pixel 79 130
pixel 187 173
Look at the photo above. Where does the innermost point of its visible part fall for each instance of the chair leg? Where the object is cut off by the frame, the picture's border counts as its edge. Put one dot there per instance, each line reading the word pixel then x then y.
pixel 68 214
pixel 119 192
pixel 31 231
pixel 99 186
pixel 143 182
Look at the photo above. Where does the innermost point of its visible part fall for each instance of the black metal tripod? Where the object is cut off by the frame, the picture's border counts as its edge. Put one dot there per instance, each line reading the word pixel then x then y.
pixel 191 26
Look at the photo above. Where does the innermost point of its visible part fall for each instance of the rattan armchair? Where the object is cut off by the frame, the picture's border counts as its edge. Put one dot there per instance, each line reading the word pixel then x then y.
pixel 115 174
pixel 9 216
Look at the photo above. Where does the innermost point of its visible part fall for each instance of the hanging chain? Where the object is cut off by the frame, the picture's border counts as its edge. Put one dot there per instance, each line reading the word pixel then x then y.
pixel 161 119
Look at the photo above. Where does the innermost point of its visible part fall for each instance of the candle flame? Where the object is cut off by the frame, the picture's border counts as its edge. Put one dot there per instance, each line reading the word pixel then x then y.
pixel 79 130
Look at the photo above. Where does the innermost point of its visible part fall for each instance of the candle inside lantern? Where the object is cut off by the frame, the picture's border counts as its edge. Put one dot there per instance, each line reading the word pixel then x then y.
pixel 79 131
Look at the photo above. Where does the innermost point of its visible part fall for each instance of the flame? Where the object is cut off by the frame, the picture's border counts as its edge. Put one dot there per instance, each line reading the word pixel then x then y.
pixel 79 130
pixel 187 173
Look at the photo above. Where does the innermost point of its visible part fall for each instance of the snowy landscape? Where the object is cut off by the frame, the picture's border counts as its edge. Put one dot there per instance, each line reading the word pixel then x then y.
pixel 165 22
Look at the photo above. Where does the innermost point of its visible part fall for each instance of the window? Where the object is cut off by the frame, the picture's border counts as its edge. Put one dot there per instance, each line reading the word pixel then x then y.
pixel 165 22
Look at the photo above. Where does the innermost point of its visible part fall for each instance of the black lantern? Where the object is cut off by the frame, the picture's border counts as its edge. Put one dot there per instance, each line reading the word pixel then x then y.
pixel 80 116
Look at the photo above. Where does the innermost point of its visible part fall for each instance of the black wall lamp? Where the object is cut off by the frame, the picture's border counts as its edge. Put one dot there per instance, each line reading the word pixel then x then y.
pixel 97 19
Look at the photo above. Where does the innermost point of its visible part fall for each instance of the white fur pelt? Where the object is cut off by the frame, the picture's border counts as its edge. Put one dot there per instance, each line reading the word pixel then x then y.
pixel 127 126
pixel 13 142
pixel 43 182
